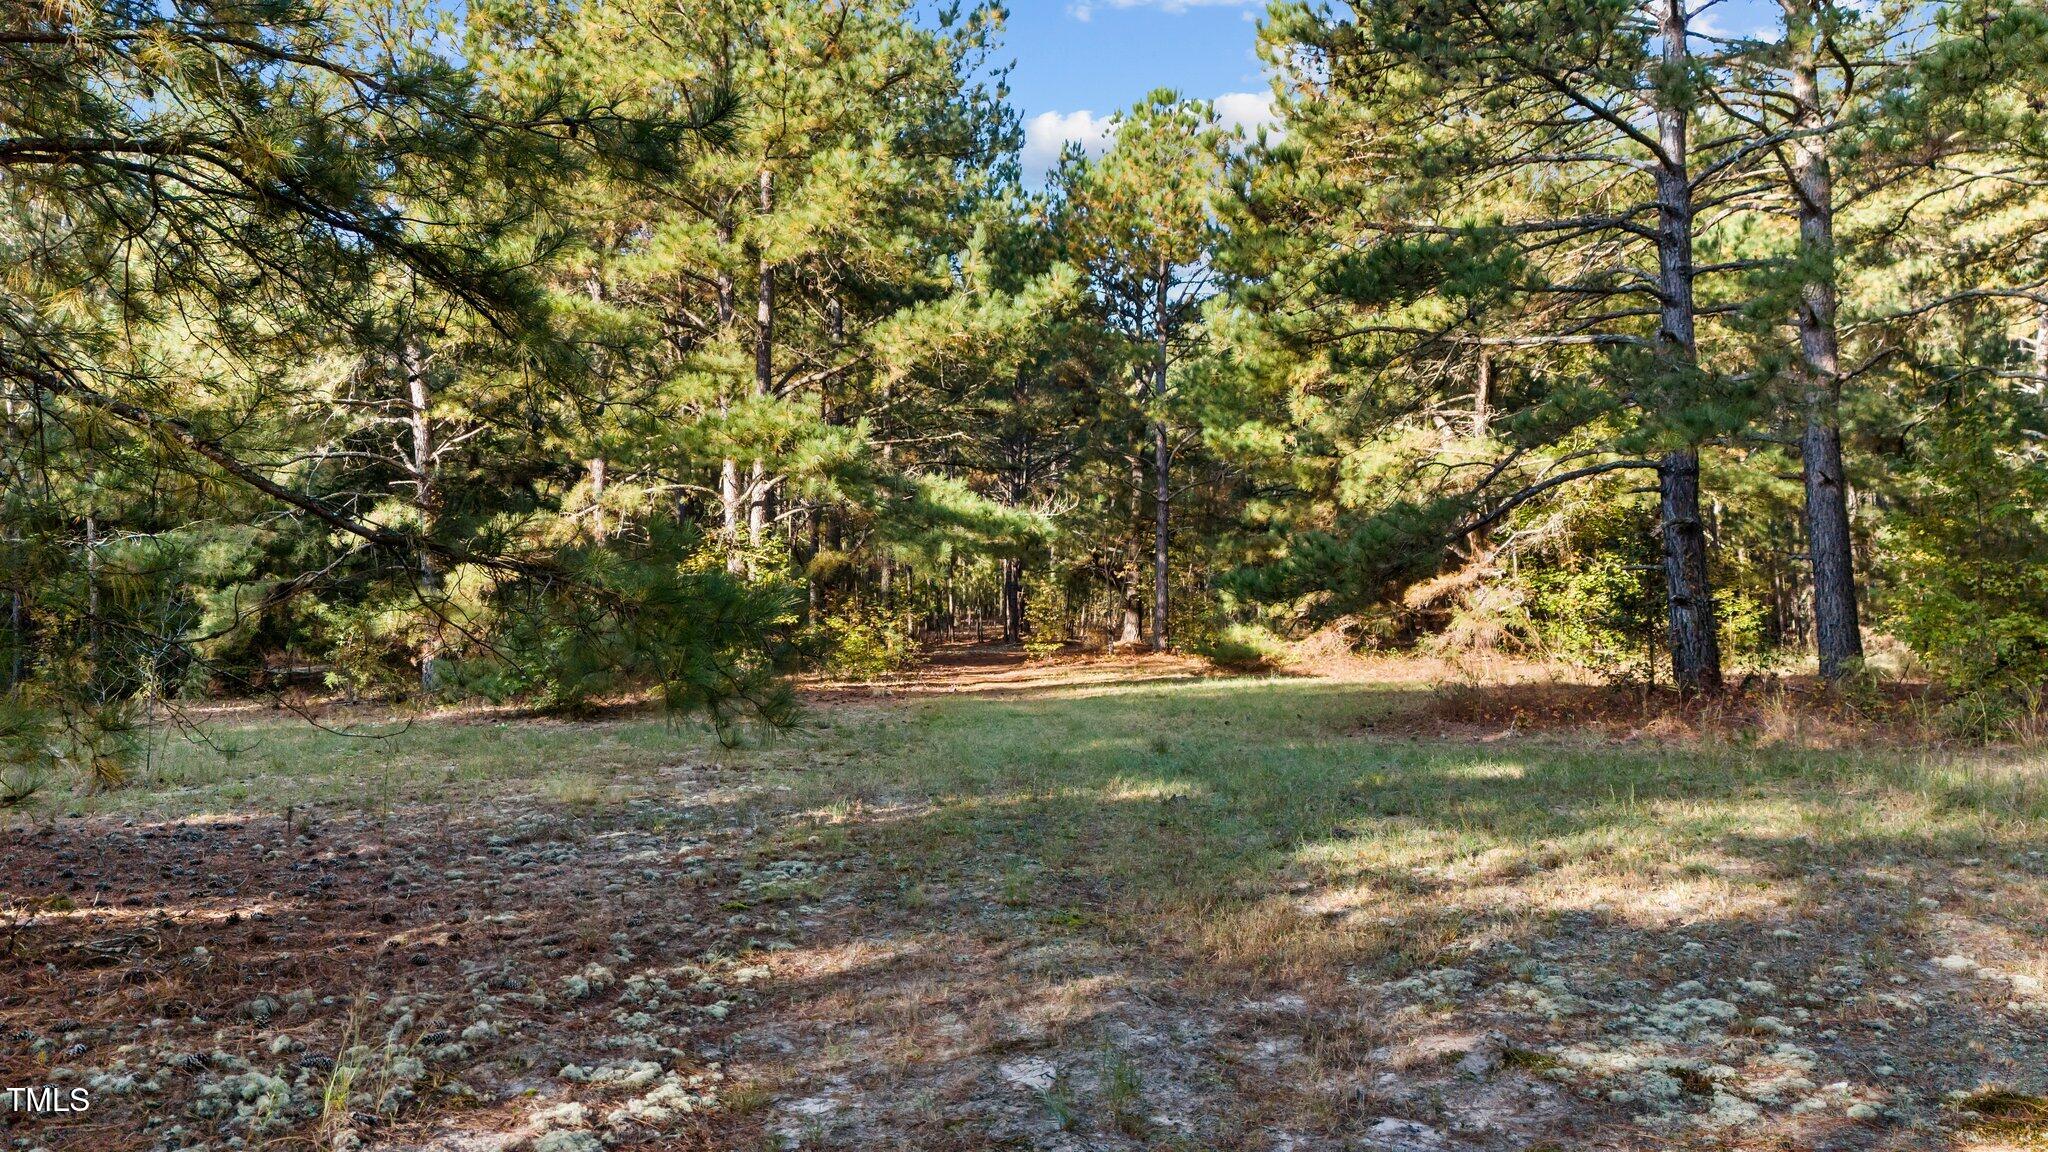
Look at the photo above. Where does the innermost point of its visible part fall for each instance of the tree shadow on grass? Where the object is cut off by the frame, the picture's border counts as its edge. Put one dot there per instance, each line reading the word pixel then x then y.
pixel 1227 841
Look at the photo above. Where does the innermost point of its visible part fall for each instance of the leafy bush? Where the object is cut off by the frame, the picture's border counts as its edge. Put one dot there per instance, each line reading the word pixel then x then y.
pixel 1045 615
pixel 1597 599
pixel 1968 554
pixel 1745 629
pixel 370 646
pixel 1241 647
pixel 863 643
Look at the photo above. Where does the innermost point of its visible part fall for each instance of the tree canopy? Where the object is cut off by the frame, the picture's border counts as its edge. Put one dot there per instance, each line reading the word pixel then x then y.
pixel 552 350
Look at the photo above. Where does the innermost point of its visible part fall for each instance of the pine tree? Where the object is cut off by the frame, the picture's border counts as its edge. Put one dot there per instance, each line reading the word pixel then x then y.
pixel 187 260
pixel 1483 180
pixel 1142 221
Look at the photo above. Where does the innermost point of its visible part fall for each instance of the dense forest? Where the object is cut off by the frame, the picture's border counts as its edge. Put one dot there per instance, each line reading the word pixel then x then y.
pixel 549 349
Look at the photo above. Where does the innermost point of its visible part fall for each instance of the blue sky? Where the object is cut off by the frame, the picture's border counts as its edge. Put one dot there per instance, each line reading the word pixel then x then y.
pixel 1079 61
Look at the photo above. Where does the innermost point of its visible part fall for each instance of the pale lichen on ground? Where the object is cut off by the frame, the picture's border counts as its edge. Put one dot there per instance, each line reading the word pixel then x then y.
pixel 1175 914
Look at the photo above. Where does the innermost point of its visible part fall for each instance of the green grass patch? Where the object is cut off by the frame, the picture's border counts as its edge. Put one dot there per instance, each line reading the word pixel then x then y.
pixel 1203 818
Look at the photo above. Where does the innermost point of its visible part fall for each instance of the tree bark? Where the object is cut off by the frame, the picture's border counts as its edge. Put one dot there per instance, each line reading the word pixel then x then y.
pixel 1133 626
pixel 1162 492
pixel 729 512
pixel 17 620
pixel 1482 396
pixel 17 631
pixel 728 468
pixel 887 559
pixel 426 498
pixel 1131 630
pixel 1838 635
pixel 764 369
pixel 819 537
pixel 1013 600
pixel 1482 416
pixel 18 648
pixel 594 285
pixel 1695 645
pixel 92 598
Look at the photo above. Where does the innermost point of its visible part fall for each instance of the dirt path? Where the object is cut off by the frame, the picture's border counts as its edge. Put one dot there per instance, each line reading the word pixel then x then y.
pixel 1004 672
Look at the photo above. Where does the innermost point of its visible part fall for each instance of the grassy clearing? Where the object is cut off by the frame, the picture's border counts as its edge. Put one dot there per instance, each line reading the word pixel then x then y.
pixel 1200 808
pixel 1040 892
pixel 268 761
pixel 1201 803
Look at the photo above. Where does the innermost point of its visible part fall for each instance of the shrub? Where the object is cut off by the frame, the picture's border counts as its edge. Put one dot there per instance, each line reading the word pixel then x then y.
pixel 1240 647
pixel 1597 600
pixel 1968 554
pixel 1045 615
pixel 863 644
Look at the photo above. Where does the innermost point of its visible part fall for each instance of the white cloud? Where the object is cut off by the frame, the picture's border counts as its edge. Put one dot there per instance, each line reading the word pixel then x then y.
pixel 1746 21
pixel 1707 24
pixel 1247 110
pixel 1047 133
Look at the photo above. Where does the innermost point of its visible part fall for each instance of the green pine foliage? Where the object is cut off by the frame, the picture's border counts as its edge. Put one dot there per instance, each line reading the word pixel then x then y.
pixel 568 352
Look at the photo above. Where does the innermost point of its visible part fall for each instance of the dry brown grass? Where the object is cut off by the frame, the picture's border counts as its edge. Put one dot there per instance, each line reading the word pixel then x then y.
pixel 1798 713
pixel 1226 902
pixel 2018 1118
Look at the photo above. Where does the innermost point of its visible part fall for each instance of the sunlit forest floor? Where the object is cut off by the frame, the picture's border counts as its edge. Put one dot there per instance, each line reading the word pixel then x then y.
pixel 1079 904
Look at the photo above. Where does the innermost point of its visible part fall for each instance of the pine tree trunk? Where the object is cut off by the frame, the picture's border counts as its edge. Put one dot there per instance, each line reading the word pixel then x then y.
pixel 1162 492
pixel 1695 645
pixel 888 560
pixel 92 599
pixel 1013 601
pixel 952 614
pixel 18 635
pixel 1482 418
pixel 17 631
pixel 1133 628
pixel 729 512
pixel 814 596
pixel 17 613
pixel 757 506
pixel 594 286
pixel 1838 636
pixel 764 371
pixel 1482 396
pixel 426 499
pixel 728 468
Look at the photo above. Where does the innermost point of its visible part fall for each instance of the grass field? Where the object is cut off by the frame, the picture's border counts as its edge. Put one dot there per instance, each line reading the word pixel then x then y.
pixel 1032 909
